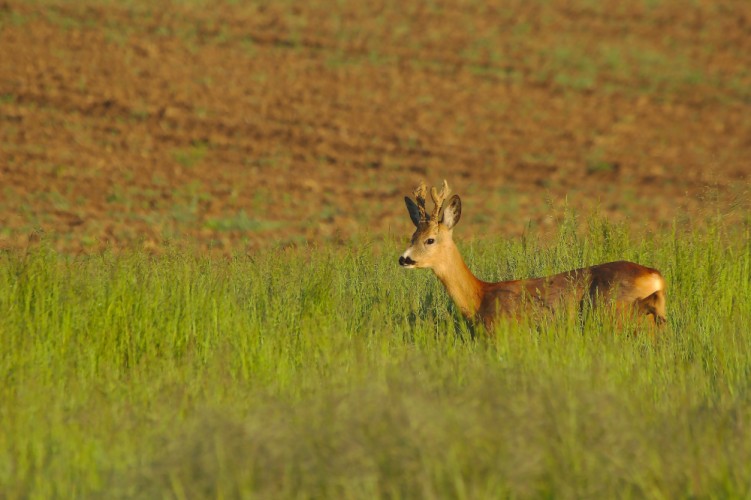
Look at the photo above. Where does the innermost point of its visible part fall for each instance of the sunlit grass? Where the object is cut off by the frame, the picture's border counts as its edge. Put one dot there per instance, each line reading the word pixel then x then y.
pixel 330 372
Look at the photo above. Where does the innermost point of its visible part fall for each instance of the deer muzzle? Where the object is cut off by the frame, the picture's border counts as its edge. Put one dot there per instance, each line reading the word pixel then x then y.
pixel 406 261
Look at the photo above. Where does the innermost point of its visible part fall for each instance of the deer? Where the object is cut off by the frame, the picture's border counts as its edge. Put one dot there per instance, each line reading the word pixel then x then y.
pixel 628 286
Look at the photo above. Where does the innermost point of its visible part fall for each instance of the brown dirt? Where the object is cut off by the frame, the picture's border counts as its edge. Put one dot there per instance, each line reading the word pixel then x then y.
pixel 241 126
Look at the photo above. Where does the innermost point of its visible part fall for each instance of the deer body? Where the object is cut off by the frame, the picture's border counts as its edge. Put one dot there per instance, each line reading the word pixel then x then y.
pixel 626 284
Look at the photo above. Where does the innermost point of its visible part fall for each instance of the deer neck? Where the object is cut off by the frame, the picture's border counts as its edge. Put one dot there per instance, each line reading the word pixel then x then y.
pixel 463 287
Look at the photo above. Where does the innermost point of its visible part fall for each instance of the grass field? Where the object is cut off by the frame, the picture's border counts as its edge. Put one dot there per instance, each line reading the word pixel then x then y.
pixel 201 214
pixel 329 372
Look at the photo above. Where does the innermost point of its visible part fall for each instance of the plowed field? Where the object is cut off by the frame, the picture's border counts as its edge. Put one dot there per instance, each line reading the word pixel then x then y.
pixel 130 123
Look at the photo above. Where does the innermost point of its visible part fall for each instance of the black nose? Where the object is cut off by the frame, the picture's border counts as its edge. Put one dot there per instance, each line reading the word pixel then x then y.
pixel 406 262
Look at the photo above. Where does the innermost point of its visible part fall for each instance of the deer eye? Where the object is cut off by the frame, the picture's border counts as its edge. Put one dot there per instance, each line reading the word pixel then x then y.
pixel 429 241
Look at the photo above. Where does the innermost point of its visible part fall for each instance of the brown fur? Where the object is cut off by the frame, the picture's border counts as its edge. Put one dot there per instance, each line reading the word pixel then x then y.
pixel 624 283
pixel 628 285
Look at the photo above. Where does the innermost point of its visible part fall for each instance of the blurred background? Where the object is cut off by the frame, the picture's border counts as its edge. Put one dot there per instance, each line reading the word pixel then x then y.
pixel 240 125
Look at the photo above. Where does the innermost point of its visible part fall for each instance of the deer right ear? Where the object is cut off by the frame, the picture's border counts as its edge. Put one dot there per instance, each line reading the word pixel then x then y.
pixel 452 212
pixel 414 211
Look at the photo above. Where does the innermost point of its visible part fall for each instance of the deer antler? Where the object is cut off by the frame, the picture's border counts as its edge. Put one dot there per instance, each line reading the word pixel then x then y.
pixel 438 199
pixel 419 193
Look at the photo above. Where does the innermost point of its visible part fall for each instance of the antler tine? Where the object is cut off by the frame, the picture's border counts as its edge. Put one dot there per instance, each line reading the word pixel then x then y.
pixel 419 193
pixel 438 199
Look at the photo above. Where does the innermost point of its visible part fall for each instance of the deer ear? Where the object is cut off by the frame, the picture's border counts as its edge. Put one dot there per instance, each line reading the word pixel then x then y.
pixel 452 212
pixel 414 210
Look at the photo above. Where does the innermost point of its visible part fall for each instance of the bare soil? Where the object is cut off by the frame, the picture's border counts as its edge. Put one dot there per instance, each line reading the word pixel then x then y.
pixel 240 126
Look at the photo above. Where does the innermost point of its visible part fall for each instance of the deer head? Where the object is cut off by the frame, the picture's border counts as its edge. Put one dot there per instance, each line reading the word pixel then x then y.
pixel 433 236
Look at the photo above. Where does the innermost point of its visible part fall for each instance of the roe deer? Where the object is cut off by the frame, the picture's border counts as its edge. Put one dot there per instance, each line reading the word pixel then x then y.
pixel 626 284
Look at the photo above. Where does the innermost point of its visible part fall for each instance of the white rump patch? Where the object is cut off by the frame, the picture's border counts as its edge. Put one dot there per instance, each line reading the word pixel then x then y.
pixel 654 282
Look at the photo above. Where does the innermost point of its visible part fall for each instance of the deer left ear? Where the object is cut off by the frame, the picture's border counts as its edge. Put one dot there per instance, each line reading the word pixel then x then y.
pixel 414 211
pixel 452 212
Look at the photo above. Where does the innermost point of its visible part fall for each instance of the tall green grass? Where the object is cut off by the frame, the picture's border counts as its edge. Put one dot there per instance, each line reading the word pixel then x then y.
pixel 331 373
